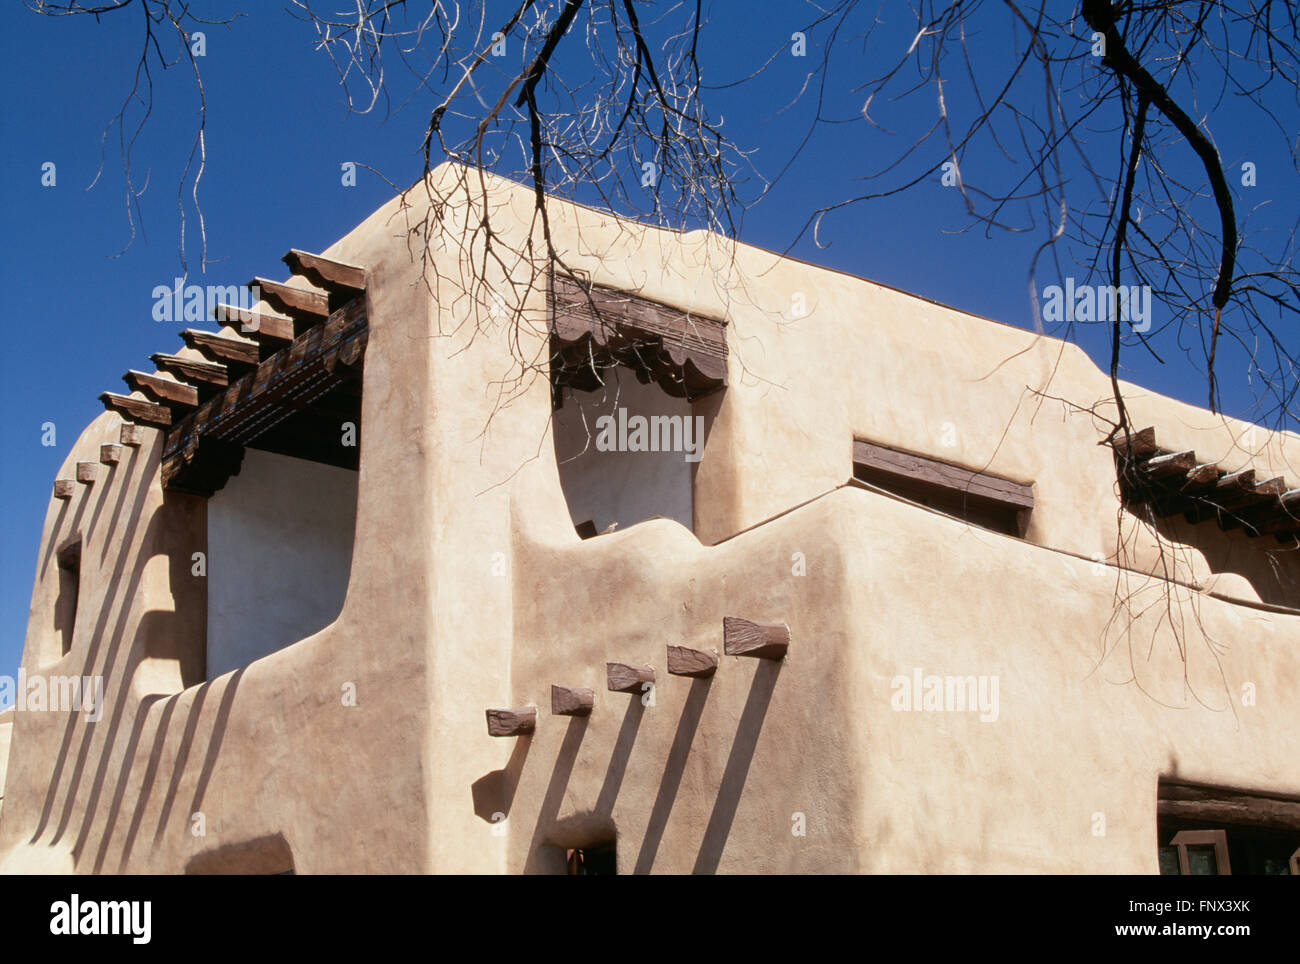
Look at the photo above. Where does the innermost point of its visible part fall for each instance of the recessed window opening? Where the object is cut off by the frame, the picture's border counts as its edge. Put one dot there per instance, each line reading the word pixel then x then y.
pixel 65 605
pixel 1209 831
pixel 975 497
pixel 281 526
pixel 627 377
pixel 626 452
pixel 597 860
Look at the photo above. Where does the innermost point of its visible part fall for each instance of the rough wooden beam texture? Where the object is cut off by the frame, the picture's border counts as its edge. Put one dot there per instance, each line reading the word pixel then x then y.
pixel 237 354
pixel 110 454
pixel 206 376
pixel 685 354
pixel 742 637
pixel 626 678
pixel 683 661
pixel 263 327
pixel 517 722
pixel 1168 465
pixel 132 435
pixel 294 301
pixel 177 396
pixel 332 275
pixel 570 701
pixel 137 408
pixel 1219 805
pixel 1202 476
pixel 1142 443
pixel 63 488
pixel 921 468
pixel 206 447
pixel 87 471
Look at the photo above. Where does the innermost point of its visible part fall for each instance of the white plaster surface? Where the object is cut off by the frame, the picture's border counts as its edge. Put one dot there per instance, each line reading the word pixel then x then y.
pixel 279 554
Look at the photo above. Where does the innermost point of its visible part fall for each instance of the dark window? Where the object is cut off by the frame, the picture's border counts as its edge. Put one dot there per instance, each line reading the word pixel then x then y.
pixel 975 497
pixel 65 606
pixel 1217 831
pixel 592 860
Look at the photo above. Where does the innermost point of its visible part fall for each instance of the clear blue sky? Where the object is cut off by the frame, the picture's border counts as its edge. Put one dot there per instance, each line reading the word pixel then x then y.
pixel 79 315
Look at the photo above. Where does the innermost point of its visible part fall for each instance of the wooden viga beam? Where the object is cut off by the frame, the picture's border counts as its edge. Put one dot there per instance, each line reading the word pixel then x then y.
pixel 1141 443
pixel 137 409
pixel 180 397
pixel 742 637
pixel 1276 517
pixel 626 678
pixel 696 663
pixel 239 355
pixel 571 701
pixel 206 377
pixel 334 276
pixel 300 303
pixel 1233 495
pixel 514 722
pixel 271 332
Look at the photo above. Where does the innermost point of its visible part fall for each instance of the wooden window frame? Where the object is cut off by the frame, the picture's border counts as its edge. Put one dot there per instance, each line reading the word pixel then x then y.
pixel 975 497
pixel 1202 838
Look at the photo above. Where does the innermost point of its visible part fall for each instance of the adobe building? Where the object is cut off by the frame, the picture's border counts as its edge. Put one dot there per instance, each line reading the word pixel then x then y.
pixel 672 556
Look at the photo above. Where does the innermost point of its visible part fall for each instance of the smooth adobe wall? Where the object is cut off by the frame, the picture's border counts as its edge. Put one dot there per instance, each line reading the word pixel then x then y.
pixel 719 775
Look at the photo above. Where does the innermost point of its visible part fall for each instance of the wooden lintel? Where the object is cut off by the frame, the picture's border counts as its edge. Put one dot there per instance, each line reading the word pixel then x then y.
pixel 626 678
pixel 292 300
pixel 571 701
pixel 166 391
pixel 64 488
pixel 743 637
pixel 594 327
pixel 683 661
pixel 516 722
pixel 131 434
pixel 1228 806
pixel 137 408
pixel 87 472
pixel 326 273
pixel 110 454
pixel 924 469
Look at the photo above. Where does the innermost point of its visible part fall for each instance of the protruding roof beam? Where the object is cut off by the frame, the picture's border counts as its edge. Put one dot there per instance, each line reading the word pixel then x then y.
pixel 334 276
pixel 64 488
pixel 626 678
pixel 110 454
pixel 178 396
pixel 517 722
pixel 742 637
pixel 237 354
pixel 691 662
pixel 1143 443
pixel 294 301
pixel 87 472
pixel 131 435
pixel 207 377
pixel 569 701
pixel 137 408
pixel 1171 464
pixel 270 331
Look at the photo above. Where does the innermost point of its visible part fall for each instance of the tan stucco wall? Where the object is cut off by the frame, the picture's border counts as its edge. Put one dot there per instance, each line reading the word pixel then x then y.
pixel 469 589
